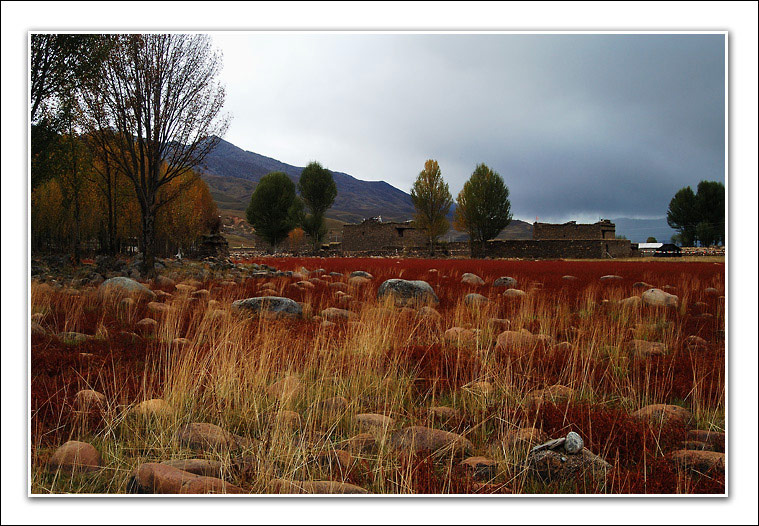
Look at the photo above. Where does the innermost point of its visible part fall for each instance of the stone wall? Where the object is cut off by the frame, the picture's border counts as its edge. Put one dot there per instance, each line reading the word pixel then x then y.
pixel 604 229
pixel 520 248
pixel 374 236
pixel 559 248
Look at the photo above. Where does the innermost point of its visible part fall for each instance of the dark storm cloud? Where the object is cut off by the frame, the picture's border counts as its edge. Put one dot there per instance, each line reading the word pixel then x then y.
pixel 580 126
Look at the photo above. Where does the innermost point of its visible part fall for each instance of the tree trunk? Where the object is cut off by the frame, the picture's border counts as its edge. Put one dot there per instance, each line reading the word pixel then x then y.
pixel 432 246
pixel 148 242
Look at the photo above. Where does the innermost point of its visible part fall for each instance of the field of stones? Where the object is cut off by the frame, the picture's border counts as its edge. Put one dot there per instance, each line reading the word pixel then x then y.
pixel 379 376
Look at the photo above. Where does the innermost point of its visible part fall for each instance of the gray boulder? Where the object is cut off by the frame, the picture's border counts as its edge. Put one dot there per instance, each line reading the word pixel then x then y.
pixel 659 298
pixel 505 281
pixel 272 305
pixel 125 287
pixel 406 292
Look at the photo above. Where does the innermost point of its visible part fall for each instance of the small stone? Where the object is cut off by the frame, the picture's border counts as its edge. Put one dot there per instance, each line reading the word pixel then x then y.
pixel 573 443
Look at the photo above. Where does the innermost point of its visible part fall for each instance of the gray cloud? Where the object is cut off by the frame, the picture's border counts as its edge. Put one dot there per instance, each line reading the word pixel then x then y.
pixel 579 126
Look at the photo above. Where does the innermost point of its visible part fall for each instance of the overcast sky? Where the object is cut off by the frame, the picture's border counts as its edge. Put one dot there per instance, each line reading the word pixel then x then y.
pixel 579 126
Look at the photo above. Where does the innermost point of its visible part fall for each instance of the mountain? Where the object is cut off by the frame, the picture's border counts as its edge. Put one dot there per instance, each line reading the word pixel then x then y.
pixel 232 173
pixel 638 230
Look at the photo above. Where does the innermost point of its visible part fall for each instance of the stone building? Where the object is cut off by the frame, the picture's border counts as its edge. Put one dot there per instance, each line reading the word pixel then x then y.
pixel 603 229
pixel 550 241
pixel 374 236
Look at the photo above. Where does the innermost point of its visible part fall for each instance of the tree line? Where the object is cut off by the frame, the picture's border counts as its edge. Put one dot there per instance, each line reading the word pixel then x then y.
pixel 119 125
pixel 699 217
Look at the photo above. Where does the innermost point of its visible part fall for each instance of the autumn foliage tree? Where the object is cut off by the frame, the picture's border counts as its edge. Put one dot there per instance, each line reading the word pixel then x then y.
pixel 432 200
pixel 160 95
pixel 483 208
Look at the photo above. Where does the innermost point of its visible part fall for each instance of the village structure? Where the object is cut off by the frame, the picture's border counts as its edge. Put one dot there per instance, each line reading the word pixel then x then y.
pixel 374 237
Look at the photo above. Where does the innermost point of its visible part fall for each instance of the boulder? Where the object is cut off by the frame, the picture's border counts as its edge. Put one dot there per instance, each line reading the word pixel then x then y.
pixel 570 278
pixel 88 400
pixel 475 300
pixel 515 293
pixel 152 477
pixel 164 282
pixel 611 277
pixel 373 421
pixel 202 436
pixel 646 349
pixel 36 329
pixel 460 336
pixel 357 281
pixel 198 466
pixel 405 292
pixel 700 461
pixel 269 305
pixel 658 298
pixel 333 314
pixel 120 287
pixel 318 487
pixel 286 419
pixel 202 294
pixel 515 340
pixel 472 279
pixel 158 308
pixel 632 301
pixel 74 338
pixel 418 439
pixel 362 444
pixel 444 413
pixel 658 414
pixel 147 326
pixel 430 314
pixel 715 439
pixel 505 281
pixel 75 456
pixel 499 325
